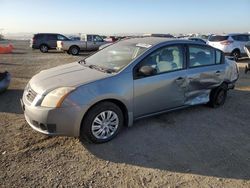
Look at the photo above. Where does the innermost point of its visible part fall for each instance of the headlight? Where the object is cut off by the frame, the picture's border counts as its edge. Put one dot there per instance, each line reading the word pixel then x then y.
pixel 55 98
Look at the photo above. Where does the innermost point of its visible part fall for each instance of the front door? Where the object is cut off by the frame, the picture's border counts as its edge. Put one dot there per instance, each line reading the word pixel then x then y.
pixel 166 88
pixel 97 42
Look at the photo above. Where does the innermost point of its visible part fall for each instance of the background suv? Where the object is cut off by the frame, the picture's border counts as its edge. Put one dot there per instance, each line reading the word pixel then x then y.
pixel 46 41
pixel 231 44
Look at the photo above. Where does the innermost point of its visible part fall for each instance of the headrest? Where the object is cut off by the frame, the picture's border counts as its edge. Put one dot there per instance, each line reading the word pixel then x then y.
pixel 167 55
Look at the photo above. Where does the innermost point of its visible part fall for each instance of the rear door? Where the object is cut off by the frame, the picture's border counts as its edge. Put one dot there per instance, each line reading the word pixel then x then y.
pixel 52 40
pixel 206 70
pixel 90 42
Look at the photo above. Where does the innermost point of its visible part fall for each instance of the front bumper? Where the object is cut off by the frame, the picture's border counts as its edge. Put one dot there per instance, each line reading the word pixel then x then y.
pixel 64 121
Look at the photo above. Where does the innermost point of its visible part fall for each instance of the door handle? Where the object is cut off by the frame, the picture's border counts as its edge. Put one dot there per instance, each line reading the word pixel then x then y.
pixel 217 72
pixel 180 79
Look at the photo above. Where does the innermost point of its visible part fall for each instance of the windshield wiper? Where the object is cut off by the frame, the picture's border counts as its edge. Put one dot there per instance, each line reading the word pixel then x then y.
pixel 110 71
pixel 102 69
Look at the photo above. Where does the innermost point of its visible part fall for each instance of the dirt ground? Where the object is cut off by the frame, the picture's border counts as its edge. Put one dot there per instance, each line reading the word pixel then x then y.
pixel 194 147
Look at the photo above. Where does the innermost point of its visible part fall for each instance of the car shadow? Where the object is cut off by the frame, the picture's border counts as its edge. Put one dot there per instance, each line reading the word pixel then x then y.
pixel 197 140
pixel 244 60
pixel 10 101
pixel 10 64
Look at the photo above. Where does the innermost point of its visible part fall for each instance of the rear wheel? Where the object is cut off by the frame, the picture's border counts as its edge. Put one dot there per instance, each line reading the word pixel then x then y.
pixel 236 55
pixel 74 50
pixel 44 48
pixel 102 123
pixel 218 96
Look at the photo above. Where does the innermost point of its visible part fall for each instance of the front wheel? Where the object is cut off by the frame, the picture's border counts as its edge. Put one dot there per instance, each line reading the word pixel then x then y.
pixel 236 55
pixel 218 96
pixel 102 123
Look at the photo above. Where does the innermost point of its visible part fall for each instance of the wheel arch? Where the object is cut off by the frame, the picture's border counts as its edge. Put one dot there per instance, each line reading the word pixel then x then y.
pixel 235 49
pixel 74 45
pixel 119 103
pixel 45 45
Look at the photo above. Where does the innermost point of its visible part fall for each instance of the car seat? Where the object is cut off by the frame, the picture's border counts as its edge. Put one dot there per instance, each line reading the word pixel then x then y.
pixel 165 61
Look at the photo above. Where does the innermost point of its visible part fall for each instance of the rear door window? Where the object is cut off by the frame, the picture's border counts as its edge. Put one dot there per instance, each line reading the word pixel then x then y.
pixel 51 37
pixel 201 56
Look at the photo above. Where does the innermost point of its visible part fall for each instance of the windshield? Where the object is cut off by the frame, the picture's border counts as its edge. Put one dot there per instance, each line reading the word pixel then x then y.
pixel 116 56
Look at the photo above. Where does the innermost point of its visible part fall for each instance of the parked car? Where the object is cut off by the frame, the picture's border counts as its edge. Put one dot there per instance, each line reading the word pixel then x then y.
pixel 87 43
pixel 129 80
pixel 247 49
pixel 158 35
pixel 4 81
pixel 231 44
pixel 46 41
pixel 198 40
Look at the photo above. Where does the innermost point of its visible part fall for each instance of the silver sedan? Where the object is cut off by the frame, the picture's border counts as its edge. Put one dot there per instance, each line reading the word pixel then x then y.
pixel 128 80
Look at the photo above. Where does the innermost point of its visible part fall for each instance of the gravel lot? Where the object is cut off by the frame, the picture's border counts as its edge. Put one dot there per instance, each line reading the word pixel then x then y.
pixel 194 147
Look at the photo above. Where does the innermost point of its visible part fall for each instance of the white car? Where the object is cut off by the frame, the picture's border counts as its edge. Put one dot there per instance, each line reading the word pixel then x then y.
pixel 231 44
pixel 88 42
pixel 247 48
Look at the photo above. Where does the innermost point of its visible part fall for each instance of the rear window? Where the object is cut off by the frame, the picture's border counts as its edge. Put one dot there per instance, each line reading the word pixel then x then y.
pixel 37 37
pixel 242 38
pixel 217 38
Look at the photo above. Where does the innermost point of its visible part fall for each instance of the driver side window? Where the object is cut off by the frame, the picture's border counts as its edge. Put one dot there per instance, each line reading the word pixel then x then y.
pixel 97 38
pixel 165 59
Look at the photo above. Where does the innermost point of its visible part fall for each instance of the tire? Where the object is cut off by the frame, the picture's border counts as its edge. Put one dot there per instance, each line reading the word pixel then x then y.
pixel 218 96
pixel 236 55
pixel 96 124
pixel 44 48
pixel 74 50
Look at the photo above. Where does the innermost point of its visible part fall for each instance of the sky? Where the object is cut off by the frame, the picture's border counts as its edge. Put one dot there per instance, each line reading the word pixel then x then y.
pixel 124 16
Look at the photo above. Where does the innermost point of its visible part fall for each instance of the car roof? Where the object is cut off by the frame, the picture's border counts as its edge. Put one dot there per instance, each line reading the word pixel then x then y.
pixel 157 40
pixel 47 34
pixel 230 34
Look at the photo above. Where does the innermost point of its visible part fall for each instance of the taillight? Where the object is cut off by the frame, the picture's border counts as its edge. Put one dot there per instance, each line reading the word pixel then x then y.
pixel 33 40
pixel 226 42
pixel 61 43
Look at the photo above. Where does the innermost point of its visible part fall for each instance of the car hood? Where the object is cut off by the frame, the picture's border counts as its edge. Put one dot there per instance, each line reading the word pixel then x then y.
pixel 69 75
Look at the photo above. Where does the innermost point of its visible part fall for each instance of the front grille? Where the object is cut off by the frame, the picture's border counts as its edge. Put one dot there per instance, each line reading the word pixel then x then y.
pixel 30 94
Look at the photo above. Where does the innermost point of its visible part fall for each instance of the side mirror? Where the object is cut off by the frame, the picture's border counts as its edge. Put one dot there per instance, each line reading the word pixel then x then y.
pixel 146 70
